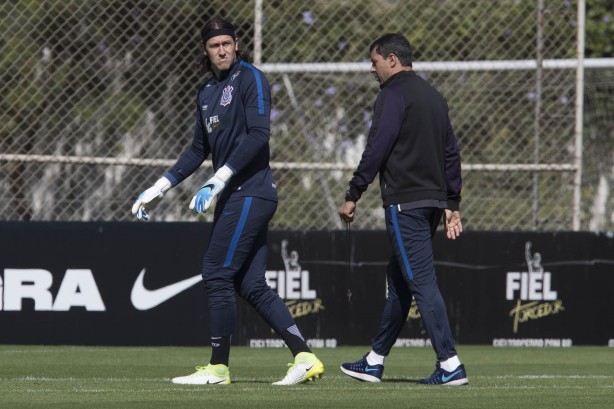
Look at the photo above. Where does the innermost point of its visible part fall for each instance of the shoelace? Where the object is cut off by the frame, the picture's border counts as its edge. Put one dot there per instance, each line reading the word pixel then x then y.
pixel 361 364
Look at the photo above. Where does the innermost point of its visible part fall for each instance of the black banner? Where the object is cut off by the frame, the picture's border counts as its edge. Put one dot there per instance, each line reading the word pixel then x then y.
pixel 139 284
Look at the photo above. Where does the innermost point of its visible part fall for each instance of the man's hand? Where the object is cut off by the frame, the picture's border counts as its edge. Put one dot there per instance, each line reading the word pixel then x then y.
pixel 208 192
pixel 150 198
pixel 453 224
pixel 347 211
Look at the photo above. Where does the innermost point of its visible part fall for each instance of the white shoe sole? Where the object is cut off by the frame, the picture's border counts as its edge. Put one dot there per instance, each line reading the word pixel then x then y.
pixel 457 382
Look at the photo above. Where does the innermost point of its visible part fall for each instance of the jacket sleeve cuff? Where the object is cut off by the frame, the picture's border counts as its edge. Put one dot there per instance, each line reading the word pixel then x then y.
pixel 453 205
pixel 352 194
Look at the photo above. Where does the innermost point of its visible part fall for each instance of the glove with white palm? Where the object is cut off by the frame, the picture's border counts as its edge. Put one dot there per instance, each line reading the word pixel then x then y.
pixel 150 198
pixel 208 192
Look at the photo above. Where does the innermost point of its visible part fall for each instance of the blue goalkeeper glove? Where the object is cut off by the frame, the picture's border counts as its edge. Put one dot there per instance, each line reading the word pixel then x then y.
pixel 208 192
pixel 150 198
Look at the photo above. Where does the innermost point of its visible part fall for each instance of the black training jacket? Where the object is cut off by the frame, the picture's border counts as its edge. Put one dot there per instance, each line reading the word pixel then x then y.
pixel 411 145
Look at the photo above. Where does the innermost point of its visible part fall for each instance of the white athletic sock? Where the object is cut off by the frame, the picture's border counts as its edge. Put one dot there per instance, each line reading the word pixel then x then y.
pixel 375 359
pixel 450 364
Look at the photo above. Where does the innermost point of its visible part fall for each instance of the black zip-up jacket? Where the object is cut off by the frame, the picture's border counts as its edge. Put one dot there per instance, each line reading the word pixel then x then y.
pixel 412 146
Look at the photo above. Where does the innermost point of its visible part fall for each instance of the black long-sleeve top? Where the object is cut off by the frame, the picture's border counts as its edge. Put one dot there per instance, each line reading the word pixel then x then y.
pixel 412 146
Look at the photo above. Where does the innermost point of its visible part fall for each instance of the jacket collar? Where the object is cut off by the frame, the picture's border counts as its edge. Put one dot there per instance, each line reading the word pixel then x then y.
pixel 227 73
pixel 394 77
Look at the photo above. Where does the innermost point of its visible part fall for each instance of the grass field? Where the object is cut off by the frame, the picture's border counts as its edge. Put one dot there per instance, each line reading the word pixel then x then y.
pixel 122 377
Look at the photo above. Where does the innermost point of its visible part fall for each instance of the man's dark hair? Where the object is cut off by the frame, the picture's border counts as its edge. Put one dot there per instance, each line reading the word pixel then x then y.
pixel 219 26
pixel 393 43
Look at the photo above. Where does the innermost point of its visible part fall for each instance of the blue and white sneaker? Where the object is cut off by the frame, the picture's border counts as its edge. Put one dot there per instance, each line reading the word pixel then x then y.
pixel 363 371
pixel 443 377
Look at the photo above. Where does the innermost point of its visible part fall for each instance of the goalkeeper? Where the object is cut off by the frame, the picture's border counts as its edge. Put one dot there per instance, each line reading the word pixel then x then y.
pixel 232 124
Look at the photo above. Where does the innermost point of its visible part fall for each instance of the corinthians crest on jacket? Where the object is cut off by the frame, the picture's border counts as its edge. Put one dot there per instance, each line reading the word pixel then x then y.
pixel 226 96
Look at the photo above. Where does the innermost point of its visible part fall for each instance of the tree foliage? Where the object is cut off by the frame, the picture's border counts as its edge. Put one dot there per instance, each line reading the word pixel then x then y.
pixel 84 76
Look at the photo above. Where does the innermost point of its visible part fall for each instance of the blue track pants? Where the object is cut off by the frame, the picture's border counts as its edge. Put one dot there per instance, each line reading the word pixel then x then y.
pixel 235 263
pixel 411 272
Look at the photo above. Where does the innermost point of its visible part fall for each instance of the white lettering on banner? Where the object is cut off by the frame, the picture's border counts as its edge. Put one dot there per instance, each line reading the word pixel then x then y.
pixel 32 284
pixel 533 286
pixel 412 342
pixel 77 289
pixel 533 342
pixel 293 283
pixel 278 343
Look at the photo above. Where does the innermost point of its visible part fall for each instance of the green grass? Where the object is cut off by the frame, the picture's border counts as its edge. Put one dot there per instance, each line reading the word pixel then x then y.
pixel 122 377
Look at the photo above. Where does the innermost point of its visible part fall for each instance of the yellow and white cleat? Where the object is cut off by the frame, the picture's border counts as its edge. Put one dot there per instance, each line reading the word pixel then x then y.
pixel 306 367
pixel 210 374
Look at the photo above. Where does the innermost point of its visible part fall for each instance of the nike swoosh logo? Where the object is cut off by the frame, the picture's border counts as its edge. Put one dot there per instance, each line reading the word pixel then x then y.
pixel 144 299
pixel 369 369
pixel 445 378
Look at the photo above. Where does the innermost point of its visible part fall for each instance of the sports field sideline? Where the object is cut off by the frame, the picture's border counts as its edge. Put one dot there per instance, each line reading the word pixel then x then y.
pixel 139 377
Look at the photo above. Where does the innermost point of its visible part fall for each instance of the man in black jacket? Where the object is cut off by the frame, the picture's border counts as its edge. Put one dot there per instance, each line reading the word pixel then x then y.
pixel 412 146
